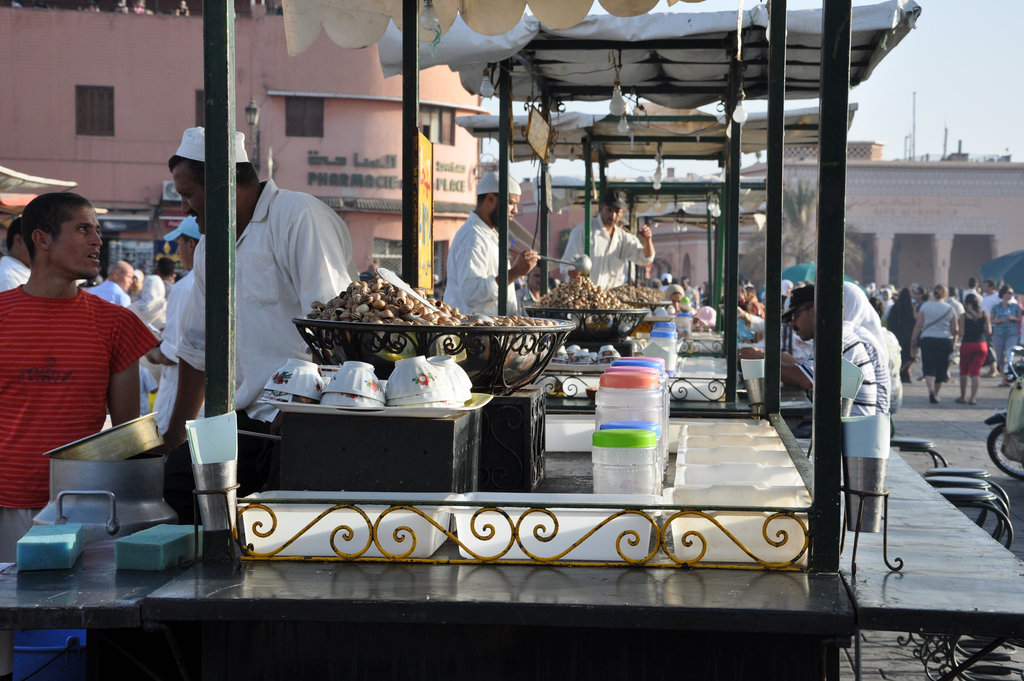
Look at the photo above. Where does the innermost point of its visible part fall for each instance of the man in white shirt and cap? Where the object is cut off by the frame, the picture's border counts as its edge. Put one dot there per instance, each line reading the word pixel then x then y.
pixel 187 236
pixel 14 267
pixel 611 247
pixel 291 250
pixel 473 258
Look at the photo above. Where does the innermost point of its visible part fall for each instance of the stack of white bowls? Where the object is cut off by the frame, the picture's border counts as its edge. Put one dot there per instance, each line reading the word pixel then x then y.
pixel 353 384
pixel 462 386
pixel 423 382
pixel 296 381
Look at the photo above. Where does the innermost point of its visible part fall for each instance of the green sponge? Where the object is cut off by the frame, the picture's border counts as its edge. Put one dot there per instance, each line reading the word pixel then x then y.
pixel 156 548
pixel 50 547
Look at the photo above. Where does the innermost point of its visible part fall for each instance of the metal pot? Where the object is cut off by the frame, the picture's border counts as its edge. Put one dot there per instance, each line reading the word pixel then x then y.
pixel 109 498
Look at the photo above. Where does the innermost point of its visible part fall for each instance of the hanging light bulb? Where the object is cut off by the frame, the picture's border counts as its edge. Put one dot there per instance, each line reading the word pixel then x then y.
pixel 428 17
pixel 657 202
pixel 623 126
pixel 617 106
pixel 657 178
pixel 717 212
pixel 486 87
pixel 739 114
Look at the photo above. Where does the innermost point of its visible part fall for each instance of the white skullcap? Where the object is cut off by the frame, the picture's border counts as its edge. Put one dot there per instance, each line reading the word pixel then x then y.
pixel 193 146
pixel 488 184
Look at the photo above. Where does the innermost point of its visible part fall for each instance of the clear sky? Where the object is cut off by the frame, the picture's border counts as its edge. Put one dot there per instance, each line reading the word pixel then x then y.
pixel 960 61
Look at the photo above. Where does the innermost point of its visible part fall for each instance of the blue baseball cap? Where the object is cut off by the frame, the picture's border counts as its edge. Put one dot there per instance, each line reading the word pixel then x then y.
pixel 187 227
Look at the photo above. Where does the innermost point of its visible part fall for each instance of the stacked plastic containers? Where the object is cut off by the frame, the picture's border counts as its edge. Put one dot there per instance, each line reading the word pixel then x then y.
pixel 684 325
pixel 625 461
pixel 662 344
pixel 634 389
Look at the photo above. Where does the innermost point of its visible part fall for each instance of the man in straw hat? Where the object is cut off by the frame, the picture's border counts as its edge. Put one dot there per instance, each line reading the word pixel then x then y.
pixel 291 250
pixel 611 247
pixel 473 257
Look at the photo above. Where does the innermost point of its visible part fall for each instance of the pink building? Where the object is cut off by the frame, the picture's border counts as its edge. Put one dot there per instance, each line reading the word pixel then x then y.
pixel 101 98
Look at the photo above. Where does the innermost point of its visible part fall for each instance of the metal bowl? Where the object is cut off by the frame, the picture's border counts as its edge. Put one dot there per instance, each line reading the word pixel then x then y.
pixel 498 359
pixel 607 326
pixel 650 306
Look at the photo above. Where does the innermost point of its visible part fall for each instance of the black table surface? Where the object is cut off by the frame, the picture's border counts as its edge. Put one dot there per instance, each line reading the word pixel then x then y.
pixel 92 594
pixel 956 579
pixel 634 598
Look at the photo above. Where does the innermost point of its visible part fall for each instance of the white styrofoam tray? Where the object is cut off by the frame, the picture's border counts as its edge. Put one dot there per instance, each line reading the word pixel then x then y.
pixel 742 472
pixel 708 427
pixel 709 531
pixel 714 455
pixel 315 516
pixel 731 440
pixel 492 533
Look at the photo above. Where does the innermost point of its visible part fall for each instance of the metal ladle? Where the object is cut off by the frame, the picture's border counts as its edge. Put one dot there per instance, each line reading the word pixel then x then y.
pixel 580 263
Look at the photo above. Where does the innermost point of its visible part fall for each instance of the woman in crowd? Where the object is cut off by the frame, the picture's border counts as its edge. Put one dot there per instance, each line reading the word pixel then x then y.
pixel 1005 326
pixel 935 330
pixel 901 322
pixel 867 325
pixel 974 325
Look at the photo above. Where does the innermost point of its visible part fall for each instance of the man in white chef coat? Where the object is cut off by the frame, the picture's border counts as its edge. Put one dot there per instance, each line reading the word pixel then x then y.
pixel 473 257
pixel 291 250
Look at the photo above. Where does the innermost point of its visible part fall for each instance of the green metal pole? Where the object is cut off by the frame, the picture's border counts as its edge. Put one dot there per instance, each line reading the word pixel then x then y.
pixel 410 138
pixel 219 84
pixel 828 308
pixel 716 292
pixel 732 231
pixel 588 179
pixel 545 224
pixel 773 228
pixel 504 144
pixel 711 262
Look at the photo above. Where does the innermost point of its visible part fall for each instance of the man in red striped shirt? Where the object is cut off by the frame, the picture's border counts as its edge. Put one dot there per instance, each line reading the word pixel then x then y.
pixel 68 357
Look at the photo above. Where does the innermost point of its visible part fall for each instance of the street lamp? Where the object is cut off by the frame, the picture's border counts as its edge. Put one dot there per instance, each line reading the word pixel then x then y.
pixel 252 117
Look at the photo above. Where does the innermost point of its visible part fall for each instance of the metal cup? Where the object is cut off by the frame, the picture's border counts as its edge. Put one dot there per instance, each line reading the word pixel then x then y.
pixel 755 395
pixel 864 474
pixel 847 406
pixel 219 507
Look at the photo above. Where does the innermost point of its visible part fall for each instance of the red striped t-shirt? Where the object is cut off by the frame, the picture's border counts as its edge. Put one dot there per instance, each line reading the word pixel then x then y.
pixel 56 359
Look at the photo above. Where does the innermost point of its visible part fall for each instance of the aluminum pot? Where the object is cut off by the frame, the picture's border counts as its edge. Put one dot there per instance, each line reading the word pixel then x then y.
pixel 109 498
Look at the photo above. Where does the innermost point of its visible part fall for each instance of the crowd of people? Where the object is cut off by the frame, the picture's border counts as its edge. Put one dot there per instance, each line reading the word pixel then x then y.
pixel 971 329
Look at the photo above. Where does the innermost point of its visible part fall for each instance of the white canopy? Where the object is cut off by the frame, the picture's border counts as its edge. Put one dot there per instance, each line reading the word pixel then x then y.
pixel 11 181
pixel 676 59
pixel 360 23
pixel 687 134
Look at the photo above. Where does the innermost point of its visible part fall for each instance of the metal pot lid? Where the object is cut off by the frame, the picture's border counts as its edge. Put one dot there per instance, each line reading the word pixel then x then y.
pixel 114 444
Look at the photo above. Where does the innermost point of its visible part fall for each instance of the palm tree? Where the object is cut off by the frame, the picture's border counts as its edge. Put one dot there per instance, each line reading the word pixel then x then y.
pixel 799 206
pixel 799 236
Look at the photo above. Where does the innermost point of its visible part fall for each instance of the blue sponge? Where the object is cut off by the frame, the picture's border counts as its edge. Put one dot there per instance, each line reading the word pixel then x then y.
pixel 155 548
pixel 50 547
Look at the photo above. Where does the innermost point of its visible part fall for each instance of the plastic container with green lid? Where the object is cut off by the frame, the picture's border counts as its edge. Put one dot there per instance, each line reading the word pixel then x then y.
pixel 625 461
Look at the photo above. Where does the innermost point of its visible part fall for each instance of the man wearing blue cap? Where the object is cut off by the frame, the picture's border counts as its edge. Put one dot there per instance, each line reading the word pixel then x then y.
pixel 166 354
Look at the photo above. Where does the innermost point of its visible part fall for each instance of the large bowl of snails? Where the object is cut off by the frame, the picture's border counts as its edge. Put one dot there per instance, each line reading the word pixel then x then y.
pixel 599 315
pixel 379 324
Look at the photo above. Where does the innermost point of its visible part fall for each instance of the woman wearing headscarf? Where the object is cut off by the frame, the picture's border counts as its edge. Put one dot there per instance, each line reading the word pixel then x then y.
pixel 935 330
pixel 901 322
pixel 859 316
